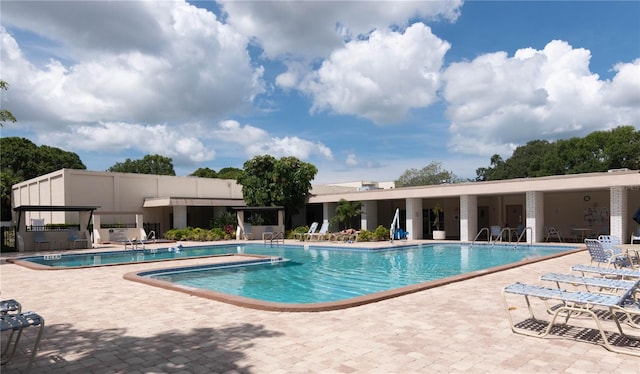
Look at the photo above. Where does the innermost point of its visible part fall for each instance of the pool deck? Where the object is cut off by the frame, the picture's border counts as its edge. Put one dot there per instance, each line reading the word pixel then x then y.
pixel 98 322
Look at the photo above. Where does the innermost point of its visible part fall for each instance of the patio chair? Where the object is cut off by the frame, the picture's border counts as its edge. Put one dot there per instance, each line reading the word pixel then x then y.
pixel 551 232
pixel 246 233
pixel 602 255
pixel 75 237
pixel 16 323
pixel 320 235
pixel 312 229
pixel 496 233
pixel 40 238
pixel 574 303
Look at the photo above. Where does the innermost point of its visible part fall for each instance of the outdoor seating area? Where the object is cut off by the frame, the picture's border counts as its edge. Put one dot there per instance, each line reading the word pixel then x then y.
pixel 606 292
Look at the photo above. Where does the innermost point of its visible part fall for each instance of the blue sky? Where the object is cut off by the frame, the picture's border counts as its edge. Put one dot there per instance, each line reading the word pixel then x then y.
pixel 363 90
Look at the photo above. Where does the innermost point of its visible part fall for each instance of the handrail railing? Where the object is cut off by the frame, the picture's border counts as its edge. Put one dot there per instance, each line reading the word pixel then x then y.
pixel 501 235
pixel 523 233
pixel 480 232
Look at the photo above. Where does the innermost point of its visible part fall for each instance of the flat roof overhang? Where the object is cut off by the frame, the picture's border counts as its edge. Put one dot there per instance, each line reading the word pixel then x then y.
pixel 562 183
pixel 54 208
pixel 257 208
pixel 157 202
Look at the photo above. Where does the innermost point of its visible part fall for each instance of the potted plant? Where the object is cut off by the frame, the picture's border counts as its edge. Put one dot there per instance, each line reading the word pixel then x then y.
pixel 438 232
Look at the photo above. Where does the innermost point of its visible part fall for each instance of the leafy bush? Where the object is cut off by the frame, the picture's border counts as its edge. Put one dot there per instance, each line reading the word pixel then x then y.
pixel 198 234
pixel 381 233
pixel 225 219
pixel 298 230
pixel 365 236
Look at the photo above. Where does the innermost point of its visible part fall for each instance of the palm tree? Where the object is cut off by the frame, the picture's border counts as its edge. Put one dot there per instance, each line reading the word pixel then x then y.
pixel 346 210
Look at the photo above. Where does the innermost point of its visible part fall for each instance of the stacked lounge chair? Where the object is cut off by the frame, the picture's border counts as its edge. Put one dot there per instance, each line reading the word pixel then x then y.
pixel 13 320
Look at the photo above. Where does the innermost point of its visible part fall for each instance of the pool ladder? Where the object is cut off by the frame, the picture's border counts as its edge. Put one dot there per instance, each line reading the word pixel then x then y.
pixel 502 232
pixel 275 237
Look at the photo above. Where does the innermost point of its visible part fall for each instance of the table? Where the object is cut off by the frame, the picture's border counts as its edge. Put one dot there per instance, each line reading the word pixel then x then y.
pixel 584 232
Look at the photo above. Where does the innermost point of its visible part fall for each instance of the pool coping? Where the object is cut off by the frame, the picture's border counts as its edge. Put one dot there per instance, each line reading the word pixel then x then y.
pixel 250 303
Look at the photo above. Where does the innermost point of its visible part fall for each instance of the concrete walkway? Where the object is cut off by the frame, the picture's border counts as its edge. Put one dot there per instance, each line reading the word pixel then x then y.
pixel 97 322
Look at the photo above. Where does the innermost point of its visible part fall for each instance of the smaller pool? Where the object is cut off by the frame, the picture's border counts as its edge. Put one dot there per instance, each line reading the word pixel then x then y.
pixel 80 260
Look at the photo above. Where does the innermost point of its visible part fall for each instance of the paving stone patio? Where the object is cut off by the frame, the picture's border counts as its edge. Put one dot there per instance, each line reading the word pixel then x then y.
pixel 97 322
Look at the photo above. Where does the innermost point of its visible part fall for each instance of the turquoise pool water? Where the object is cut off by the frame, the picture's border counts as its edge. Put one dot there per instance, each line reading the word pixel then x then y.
pixel 126 257
pixel 327 274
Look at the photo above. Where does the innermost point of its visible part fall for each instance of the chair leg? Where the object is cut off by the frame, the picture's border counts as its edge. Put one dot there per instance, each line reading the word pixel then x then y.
pixel 18 322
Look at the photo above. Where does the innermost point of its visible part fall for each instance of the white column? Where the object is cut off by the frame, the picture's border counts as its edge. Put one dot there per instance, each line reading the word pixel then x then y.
pixel 468 217
pixel 535 216
pixel 414 218
pixel 96 229
pixel 369 217
pixel 618 212
pixel 140 226
pixel 328 211
pixel 179 216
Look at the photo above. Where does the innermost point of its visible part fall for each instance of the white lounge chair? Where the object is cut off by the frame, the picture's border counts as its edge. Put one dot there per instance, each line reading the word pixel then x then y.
pixel 305 235
pixel 609 256
pixel 321 234
pixel 574 303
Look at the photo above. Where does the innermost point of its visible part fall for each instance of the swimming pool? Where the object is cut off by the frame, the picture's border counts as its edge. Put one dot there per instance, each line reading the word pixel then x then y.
pixel 80 260
pixel 325 278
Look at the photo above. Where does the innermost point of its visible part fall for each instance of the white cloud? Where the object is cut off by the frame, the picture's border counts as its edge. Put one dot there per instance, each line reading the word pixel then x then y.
pixel 257 141
pixel 312 29
pixel 497 102
pixel 380 78
pixel 190 66
pixel 149 139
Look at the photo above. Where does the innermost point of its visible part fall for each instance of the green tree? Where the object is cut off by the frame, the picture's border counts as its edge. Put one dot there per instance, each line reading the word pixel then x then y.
pixel 267 181
pixel 5 115
pixel 150 164
pixel 205 173
pixel 229 173
pixel 598 151
pixel 346 211
pixel 21 159
pixel 429 175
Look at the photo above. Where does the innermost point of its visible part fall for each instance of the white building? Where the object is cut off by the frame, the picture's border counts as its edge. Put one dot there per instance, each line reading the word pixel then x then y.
pixel 584 204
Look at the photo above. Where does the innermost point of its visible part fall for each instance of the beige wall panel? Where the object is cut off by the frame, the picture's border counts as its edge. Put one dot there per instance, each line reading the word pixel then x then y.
pixel 91 191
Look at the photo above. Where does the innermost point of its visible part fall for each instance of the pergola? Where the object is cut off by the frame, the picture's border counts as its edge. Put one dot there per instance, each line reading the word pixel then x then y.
pixel 29 239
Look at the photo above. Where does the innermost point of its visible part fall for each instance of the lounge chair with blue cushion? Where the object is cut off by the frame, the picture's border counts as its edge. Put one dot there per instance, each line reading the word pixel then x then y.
pixel 575 303
pixel 16 322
